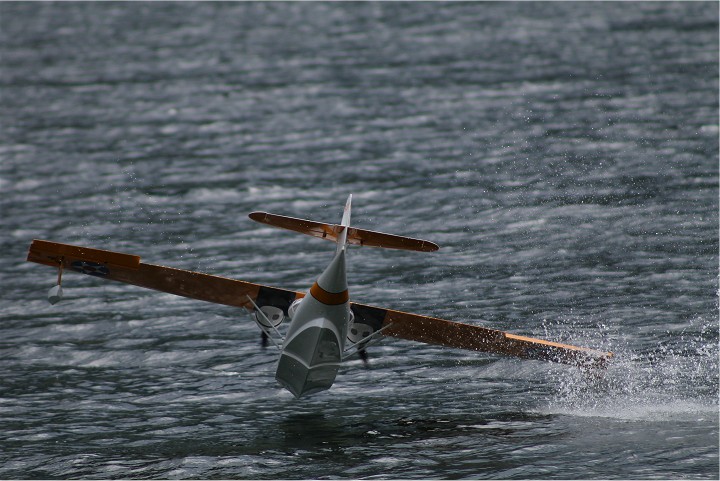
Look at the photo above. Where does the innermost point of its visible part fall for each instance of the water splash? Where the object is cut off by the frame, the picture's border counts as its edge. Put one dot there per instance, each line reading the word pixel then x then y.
pixel 677 380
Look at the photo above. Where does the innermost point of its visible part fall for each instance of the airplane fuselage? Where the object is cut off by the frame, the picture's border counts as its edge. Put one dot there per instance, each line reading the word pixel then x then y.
pixel 315 340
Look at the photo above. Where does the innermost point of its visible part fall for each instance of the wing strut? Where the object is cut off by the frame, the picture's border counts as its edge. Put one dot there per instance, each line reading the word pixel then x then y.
pixel 55 294
pixel 263 328
pixel 363 343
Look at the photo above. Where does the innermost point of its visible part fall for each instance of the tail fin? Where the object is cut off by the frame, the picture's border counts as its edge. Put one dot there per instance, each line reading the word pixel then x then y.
pixel 344 234
pixel 344 225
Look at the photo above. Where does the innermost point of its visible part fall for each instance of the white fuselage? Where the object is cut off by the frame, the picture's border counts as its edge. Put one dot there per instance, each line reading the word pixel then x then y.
pixel 315 340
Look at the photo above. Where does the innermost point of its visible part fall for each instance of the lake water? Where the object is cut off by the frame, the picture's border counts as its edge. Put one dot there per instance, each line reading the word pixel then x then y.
pixel 564 156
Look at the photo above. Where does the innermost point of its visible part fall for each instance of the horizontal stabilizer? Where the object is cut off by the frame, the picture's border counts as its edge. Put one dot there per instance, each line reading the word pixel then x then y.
pixel 355 236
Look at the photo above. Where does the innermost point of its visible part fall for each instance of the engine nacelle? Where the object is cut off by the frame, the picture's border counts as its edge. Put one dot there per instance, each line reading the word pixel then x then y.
pixel 357 331
pixel 273 316
pixel 293 307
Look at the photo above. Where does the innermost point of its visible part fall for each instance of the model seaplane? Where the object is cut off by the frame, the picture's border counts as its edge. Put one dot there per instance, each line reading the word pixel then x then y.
pixel 324 327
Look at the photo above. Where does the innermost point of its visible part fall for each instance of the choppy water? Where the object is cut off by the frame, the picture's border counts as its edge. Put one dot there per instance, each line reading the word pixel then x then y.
pixel 564 155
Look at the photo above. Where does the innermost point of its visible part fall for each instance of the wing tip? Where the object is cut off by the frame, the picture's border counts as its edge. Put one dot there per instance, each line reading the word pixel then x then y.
pixel 257 216
pixel 50 253
pixel 430 247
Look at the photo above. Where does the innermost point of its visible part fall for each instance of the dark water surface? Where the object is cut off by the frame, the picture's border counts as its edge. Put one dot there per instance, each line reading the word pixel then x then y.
pixel 564 155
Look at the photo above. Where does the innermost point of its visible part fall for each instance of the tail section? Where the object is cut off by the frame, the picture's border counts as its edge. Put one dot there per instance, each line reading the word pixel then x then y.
pixel 344 234
pixel 346 212
pixel 344 225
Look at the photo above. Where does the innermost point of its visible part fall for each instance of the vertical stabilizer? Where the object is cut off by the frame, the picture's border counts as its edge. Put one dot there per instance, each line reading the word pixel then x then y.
pixel 345 224
pixel 346 212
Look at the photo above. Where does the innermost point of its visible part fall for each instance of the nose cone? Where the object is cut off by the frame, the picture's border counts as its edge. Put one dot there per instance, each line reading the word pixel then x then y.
pixel 310 361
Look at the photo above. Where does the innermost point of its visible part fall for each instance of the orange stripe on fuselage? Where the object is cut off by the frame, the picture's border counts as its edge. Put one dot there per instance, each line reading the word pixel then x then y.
pixel 329 298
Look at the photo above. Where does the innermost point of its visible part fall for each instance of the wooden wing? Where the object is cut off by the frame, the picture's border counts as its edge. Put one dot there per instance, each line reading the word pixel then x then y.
pixel 440 332
pixel 205 287
pixel 128 269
